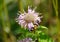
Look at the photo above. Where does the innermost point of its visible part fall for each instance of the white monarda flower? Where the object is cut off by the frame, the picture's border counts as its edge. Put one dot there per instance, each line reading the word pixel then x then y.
pixel 26 40
pixel 29 19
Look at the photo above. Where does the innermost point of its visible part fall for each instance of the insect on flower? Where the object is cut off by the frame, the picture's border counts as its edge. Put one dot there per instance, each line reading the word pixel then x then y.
pixel 30 19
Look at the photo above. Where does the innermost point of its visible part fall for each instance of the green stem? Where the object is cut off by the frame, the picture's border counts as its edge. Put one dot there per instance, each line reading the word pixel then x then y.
pixel 55 5
pixel 20 6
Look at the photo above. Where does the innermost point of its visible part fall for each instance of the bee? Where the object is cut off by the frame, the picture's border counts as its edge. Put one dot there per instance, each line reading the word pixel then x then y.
pixel 34 28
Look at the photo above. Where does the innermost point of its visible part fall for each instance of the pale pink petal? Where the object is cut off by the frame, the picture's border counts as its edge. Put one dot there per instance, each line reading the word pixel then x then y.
pixel 21 21
pixel 33 11
pixel 35 15
pixel 38 18
pixel 21 17
pixel 29 10
pixel 25 25
pixel 35 22
pixel 30 25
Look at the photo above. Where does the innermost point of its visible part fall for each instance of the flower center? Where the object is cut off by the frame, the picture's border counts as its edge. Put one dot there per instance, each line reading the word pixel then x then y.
pixel 29 17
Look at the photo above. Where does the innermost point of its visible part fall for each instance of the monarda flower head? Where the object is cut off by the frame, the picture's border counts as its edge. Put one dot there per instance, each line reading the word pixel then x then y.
pixel 29 20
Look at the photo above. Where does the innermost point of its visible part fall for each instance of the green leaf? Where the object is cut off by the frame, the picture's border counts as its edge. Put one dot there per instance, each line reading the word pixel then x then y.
pixel 43 27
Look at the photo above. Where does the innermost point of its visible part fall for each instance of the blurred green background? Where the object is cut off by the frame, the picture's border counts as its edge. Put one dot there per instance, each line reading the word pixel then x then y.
pixel 10 30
